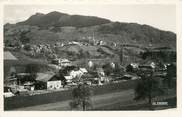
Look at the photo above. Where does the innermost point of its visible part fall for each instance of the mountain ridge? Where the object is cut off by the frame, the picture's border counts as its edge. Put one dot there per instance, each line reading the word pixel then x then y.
pixel 62 19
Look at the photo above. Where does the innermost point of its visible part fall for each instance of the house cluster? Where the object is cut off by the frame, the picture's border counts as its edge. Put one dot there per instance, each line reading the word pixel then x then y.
pixel 22 82
pixel 18 82
pixel 67 77
pixel 133 67
pixel 151 65
pixel 61 62
pixel 35 50
pixel 93 42
pixel 158 69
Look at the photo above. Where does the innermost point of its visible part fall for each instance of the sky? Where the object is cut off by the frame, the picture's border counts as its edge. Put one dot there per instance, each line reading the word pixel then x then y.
pixel 162 16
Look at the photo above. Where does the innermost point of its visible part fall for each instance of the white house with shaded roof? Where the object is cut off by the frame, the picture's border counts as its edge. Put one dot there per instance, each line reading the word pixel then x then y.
pixel 51 80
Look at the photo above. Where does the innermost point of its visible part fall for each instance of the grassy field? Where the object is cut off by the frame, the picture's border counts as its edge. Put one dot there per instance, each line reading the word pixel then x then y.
pixel 97 101
pixel 26 101
pixel 139 105
pixel 115 101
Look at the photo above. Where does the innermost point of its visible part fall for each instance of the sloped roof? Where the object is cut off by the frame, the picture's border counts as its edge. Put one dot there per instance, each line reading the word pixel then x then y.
pixel 44 76
pixel 9 56
pixel 68 77
pixel 65 60
pixel 84 70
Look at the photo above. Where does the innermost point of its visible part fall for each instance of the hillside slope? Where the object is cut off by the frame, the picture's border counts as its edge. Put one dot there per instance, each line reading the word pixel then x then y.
pixel 55 27
pixel 121 33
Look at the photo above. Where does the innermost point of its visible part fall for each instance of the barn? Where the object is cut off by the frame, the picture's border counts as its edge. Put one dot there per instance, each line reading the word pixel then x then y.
pixel 52 80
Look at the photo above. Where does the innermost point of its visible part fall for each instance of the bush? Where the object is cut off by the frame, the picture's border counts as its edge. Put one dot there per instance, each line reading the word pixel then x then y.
pixel 81 97
pixel 129 68
pixel 27 47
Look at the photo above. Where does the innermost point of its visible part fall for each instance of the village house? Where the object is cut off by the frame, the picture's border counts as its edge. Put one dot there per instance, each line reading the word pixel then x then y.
pixel 68 79
pixel 90 64
pixel 48 81
pixel 20 81
pixel 134 65
pixel 75 75
pixel 74 43
pixel 113 65
pixel 101 42
pixel 148 64
pixel 52 81
pixel 100 72
pixel 29 86
pixel 83 70
pixel 8 92
pixel 65 62
pixel 78 73
pixel 56 61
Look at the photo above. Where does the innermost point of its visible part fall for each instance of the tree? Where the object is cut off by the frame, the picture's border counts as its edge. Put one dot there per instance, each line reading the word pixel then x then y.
pixel 67 69
pixel 24 38
pixel 32 69
pixel 27 47
pixel 118 69
pixel 121 55
pixel 129 68
pixel 147 88
pixel 171 73
pixel 81 97
pixel 39 85
pixel 62 78
pixel 107 69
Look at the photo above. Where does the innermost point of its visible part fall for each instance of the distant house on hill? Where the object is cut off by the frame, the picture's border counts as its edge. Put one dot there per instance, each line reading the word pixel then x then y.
pixel 65 62
pixel 149 64
pixel 132 67
pixel 61 62
pixel 90 64
pixel 100 72
pixel 113 65
pixel 75 43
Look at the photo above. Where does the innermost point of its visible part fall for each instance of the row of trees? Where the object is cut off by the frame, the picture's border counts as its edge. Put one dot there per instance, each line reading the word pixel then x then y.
pixel 149 87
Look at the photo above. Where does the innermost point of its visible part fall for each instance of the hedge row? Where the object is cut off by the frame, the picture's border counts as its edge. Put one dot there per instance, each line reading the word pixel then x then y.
pixel 25 101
